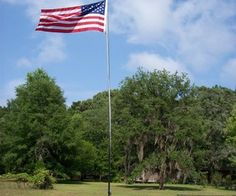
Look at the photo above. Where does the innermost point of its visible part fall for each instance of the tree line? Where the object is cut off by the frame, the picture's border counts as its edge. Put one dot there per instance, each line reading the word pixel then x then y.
pixel 164 129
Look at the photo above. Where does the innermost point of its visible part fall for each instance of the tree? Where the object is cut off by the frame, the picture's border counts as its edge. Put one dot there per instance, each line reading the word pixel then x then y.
pixel 215 107
pixel 94 117
pixel 41 132
pixel 36 126
pixel 155 115
pixel 80 157
pixel 3 111
pixel 231 135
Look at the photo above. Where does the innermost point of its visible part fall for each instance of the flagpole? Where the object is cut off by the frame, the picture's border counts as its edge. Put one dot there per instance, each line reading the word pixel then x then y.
pixel 109 95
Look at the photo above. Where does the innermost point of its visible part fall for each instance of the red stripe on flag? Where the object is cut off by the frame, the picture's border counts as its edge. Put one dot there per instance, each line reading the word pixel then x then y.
pixel 72 30
pixel 63 15
pixel 59 18
pixel 70 25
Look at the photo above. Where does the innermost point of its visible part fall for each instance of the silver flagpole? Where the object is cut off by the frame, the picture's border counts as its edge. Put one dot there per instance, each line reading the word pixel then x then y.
pixel 109 94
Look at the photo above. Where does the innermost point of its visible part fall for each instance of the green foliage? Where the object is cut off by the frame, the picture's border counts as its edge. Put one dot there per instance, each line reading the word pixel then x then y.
pixel 8 176
pixel 156 117
pixel 162 126
pixel 228 182
pixel 231 135
pixel 23 177
pixel 217 179
pixel 203 179
pixel 42 179
pixel 91 117
pixel 20 177
pixel 3 112
pixel 215 107
pixel 81 154
pixel 35 122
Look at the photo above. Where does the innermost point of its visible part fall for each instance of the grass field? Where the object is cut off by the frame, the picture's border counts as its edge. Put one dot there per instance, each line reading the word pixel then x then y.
pixel 100 189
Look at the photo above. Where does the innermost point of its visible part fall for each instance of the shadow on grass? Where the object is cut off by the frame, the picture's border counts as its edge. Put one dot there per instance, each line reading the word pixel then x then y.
pixel 156 187
pixel 70 182
pixel 182 188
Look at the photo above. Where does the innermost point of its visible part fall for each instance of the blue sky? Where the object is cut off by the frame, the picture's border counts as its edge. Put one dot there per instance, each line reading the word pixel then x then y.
pixel 197 37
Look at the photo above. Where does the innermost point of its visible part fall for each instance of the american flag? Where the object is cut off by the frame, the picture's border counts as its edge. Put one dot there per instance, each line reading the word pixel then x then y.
pixel 90 17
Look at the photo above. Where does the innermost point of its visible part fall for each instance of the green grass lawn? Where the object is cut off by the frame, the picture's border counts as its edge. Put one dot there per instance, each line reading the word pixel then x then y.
pixel 118 189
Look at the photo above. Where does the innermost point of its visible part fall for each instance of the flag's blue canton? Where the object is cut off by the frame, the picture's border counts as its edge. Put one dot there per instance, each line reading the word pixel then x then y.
pixel 95 8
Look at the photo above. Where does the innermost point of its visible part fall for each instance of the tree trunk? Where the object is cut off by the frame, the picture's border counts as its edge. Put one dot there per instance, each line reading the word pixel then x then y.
pixel 127 149
pixel 140 151
pixel 184 179
pixel 161 182
pixel 140 142
pixel 162 175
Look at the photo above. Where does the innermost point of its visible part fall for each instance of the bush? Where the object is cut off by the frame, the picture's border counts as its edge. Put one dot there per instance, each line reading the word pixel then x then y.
pixel 8 176
pixel 216 179
pixel 23 177
pixel 40 180
pixel 43 179
pixel 228 182
pixel 130 180
pixel 203 179
pixel 234 184
pixel 118 178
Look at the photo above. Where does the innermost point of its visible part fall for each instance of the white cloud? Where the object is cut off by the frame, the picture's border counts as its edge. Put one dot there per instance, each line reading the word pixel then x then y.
pixel 34 7
pixel 52 48
pixel 197 33
pixel 152 61
pixel 144 21
pixel 205 36
pixel 50 51
pixel 228 75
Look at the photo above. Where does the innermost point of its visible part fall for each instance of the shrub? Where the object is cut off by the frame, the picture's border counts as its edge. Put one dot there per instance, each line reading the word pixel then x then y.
pixel 203 179
pixel 43 179
pixel 22 177
pixel 118 178
pixel 216 179
pixel 228 182
pixel 130 180
pixel 234 184
pixel 40 180
pixel 8 176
